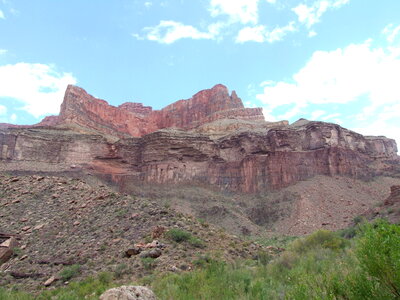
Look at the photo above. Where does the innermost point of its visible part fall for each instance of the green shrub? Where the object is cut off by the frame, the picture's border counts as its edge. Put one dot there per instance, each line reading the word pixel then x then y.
pixel 321 238
pixel 203 260
pixel 196 242
pixel 378 251
pixel 149 263
pixel 264 257
pixel 349 232
pixel 121 270
pixel 178 235
pixel 69 272
pixel 359 220
pixel 105 277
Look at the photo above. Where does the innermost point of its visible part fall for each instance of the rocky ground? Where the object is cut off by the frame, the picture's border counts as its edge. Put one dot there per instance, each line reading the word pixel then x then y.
pixel 65 225
pixel 320 202
pixel 82 227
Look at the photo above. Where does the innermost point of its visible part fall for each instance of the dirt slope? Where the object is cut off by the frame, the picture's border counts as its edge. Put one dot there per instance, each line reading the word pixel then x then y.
pixel 63 221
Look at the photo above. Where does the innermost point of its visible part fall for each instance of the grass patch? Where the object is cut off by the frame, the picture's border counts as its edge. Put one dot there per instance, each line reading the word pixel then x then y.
pixel 70 272
pixel 180 236
pixel 149 263
pixel 90 288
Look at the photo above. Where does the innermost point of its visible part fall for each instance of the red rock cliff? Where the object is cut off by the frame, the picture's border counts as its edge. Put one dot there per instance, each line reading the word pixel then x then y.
pixel 260 157
pixel 134 119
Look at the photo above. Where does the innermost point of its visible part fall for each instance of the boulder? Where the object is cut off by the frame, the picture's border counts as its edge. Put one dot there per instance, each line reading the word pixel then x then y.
pixel 5 254
pixel 128 293
pixel 132 251
pixel 153 253
pixel 6 249
pixel 50 281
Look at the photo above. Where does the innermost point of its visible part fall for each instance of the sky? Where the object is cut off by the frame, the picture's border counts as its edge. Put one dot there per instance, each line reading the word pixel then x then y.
pixel 328 60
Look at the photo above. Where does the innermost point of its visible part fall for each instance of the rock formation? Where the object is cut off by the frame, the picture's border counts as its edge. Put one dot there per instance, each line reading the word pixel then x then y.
pixel 394 196
pixel 128 293
pixel 208 139
pixel 134 119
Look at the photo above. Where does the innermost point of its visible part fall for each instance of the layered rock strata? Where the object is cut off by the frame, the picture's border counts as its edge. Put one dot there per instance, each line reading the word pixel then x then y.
pixel 247 161
pixel 209 139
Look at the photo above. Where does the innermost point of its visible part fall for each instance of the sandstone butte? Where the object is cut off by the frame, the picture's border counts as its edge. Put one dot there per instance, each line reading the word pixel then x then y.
pixel 209 139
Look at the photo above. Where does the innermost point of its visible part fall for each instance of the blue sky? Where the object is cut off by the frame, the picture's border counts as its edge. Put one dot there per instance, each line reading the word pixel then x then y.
pixel 330 60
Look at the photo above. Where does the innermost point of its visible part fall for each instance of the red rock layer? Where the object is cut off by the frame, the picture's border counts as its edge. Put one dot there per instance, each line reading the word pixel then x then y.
pixel 136 120
pixel 246 162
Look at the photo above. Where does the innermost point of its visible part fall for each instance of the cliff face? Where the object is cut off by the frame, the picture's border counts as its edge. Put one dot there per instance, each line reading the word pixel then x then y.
pixel 80 108
pixel 134 119
pixel 246 162
pixel 215 141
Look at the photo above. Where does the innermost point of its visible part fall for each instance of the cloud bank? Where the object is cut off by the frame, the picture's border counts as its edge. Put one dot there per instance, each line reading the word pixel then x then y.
pixel 38 87
pixel 242 19
pixel 359 74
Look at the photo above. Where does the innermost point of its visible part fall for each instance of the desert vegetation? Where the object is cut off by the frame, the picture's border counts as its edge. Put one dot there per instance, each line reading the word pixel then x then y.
pixel 322 265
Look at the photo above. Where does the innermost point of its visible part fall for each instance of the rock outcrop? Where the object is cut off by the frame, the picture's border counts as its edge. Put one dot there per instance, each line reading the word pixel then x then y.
pixel 128 293
pixel 394 195
pixel 208 139
pixel 7 248
pixel 134 119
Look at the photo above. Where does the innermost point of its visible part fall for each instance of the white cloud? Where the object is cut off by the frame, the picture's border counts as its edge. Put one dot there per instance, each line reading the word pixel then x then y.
pixel 168 32
pixel 331 116
pixel 255 34
pixel 39 87
pixel 383 123
pixel 310 15
pixel 2 15
pixel 266 82
pixel 278 33
pixel 243 11
pixel 342 76
pixel 13 118
pixel 296 110
pixel 317 113
pixel 391 32
pixel 312 33
pixel 237 11
pixel 3 110
pixel 3 51
pixel 261 34
pixel 148 4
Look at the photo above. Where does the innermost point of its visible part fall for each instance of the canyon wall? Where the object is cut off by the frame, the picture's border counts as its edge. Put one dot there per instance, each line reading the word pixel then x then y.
pixel 134 144
pixel 246 162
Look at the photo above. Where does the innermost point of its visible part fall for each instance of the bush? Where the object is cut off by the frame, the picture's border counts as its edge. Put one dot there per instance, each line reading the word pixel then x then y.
pixel 149 263
pixel 179 236
pixel 121 270
pixel 69 272
pixel 378 252
pixel 320 238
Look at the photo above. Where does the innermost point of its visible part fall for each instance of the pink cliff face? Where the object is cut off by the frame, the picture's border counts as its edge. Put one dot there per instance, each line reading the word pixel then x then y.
pixel 136 120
